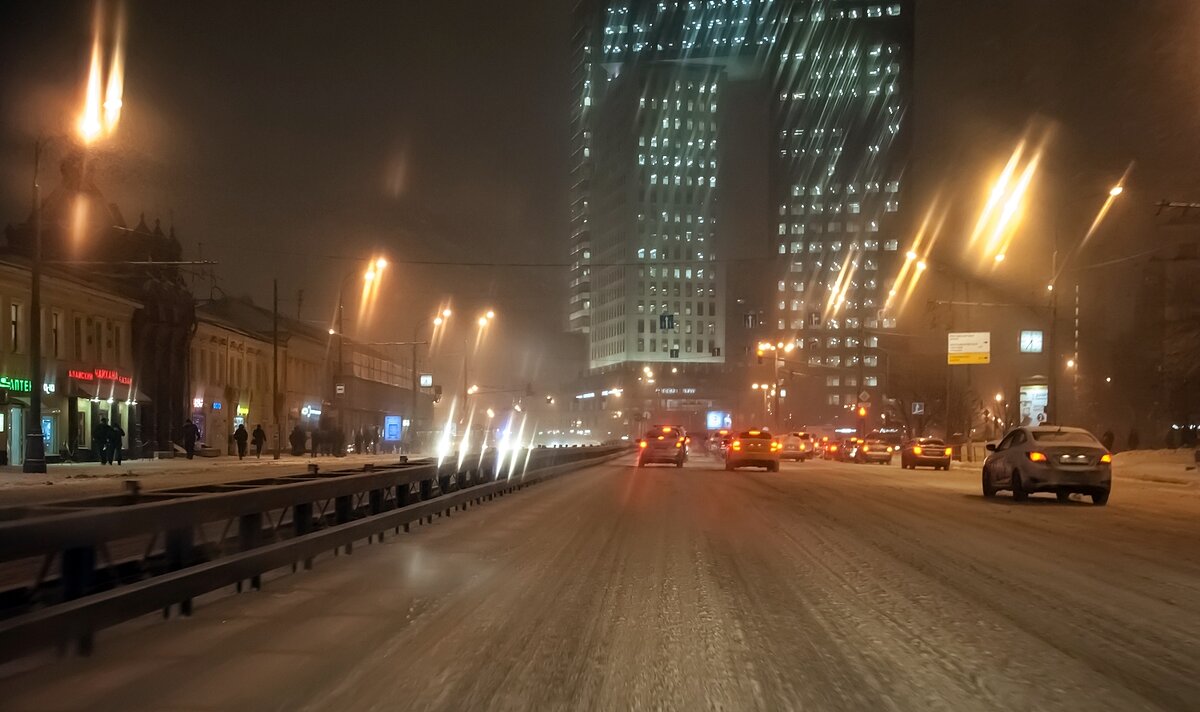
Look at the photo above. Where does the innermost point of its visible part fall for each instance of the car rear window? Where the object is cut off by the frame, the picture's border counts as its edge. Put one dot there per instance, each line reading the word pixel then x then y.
pixel 931 441
pixel 654 434
pixel 1064 436
pixel 755 434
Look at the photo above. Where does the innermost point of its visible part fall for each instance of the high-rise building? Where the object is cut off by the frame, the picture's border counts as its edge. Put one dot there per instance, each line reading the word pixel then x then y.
pixel 651 264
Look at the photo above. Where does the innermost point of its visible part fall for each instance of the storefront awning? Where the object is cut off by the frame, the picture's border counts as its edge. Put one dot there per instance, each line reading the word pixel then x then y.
pixel 104 391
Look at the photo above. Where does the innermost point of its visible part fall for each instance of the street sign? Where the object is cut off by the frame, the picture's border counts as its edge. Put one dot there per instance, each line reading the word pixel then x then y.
pixel 918 408
pixel 340 389
pixel 969 347
pixel 864 396
pixel 666 322
pixel 426 380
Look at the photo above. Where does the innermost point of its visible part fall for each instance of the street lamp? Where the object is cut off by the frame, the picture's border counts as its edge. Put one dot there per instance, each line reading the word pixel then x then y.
pixel 371 274
pixel 1056 271
pixel 99 118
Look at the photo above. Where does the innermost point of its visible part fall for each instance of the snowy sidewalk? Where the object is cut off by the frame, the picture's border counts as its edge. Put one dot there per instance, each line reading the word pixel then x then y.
pixel 74 480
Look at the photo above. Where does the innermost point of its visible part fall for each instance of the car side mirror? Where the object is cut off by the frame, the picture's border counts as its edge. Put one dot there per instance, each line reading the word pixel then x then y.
pixel 991 447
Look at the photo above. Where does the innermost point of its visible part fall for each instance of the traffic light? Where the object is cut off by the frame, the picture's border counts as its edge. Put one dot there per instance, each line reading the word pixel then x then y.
pixel 862 411
pixel 759 353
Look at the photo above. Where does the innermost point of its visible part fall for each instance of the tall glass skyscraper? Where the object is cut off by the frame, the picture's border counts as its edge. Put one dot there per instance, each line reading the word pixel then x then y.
pixel 651 263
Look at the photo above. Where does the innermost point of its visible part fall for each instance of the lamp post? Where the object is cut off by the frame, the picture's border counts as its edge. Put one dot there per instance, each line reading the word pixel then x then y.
pixel 437 321
pixel 483 321
pixel 372 273
pixel 35 444
pixel 1056 271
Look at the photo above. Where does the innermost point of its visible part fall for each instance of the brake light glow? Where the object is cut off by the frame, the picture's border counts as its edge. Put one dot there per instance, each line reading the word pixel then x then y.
pixel 917 449
pixel 1106 457
pixel 947 452
pixel 889 448
pixel 866 448
pixel 775 446
pixel 736 445
pixel 666 428
pixel 1036 456
pixel 678 443
pixel 833 448
pixel 660 437
pixel 756 432
pixel 642 444
pixel 803 446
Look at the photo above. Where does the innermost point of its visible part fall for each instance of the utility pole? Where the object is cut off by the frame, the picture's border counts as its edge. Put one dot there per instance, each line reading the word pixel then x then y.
pixel 275 363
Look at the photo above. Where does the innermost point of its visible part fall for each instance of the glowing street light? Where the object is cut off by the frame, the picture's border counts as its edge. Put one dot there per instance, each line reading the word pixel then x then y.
pixel 446 313
pixel 1116 190
pixel 999 397
pixel 472 390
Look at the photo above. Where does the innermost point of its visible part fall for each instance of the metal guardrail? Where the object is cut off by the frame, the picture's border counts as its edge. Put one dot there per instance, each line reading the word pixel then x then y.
pixel 280 522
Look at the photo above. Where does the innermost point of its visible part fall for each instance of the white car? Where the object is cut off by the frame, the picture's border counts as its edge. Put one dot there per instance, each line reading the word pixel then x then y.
pixel 1048 458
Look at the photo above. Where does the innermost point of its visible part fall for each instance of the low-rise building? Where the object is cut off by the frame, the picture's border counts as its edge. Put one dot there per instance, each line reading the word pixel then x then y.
pixel 87 364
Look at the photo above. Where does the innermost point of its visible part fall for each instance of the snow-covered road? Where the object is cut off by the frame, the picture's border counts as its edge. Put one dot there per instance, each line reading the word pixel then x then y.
pixel 827 586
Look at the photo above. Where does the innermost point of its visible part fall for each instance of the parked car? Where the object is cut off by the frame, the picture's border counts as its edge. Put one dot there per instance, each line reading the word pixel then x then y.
pixel 925 452
pixel 796 446
pixel 1047 458
pixel 876 451
pixel 753 448
pixel 662 444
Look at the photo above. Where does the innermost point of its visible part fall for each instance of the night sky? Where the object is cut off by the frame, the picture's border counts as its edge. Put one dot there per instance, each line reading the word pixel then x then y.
pixel 290 139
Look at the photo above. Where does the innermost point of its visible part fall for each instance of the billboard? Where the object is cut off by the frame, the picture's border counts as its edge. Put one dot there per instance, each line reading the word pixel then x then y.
pixel 1034 401
pixel 392 428
pixel 717 419
pixel 969 347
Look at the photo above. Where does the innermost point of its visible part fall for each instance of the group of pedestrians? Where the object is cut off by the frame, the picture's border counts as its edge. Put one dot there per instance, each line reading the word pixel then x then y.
pixel 107 441
pixel 241 438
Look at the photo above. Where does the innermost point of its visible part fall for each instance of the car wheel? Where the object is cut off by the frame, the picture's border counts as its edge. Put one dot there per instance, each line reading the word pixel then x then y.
pixel 773 467
pixel 641 464
pixel 989 490
pixel 1063 496
pixel 1100 498
pixel 1018 487
pixel 679 463
pixel 729 467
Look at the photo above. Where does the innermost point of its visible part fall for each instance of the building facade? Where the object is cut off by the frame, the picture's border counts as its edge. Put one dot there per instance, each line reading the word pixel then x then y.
pixel 649 120
pixel 88 372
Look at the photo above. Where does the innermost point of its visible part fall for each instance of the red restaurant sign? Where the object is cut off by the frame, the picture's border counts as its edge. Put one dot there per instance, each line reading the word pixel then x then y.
pixel 100 374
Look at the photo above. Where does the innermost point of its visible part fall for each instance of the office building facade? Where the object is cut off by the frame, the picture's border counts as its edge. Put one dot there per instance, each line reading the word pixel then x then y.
pixel 648 248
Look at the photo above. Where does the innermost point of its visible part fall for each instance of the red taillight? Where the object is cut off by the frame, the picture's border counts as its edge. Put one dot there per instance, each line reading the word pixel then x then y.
pixel 803 446
pixel 642 444
pixel 678 443
pixel 1106 457
pixel 916 449
pixel 775 446
pixel 866 448
pixel 1036 456
pixel 833 448
pixel 736 445
pixel 947 452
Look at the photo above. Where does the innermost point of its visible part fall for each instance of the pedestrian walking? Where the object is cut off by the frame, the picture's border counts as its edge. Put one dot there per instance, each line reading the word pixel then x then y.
pixel 259 438
pixel 241 437
pixel 1107 440
pixel 101 434
pixel 316 441
pixel 358 442
pixel 190 434
pixel 116 434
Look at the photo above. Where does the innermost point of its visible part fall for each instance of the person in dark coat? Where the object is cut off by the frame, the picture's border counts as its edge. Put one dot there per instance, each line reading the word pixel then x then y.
pixel 241 437
pixel 259 438
pixel 116 435
pixel 358 442
pixel 1107 440
pixel 190 434
pixel 316 442
pixel 297 439
pixel 101 434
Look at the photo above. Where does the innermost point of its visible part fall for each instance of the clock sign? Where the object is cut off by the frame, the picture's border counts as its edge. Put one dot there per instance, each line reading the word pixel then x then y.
pixel 1031 342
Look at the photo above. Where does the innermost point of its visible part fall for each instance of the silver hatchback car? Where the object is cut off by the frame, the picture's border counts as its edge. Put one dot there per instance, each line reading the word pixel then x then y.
pixel 1048 458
